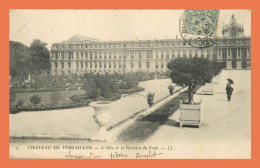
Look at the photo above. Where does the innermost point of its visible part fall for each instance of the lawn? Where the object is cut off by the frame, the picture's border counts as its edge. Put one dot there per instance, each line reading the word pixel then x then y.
pixel 146 126
pixel 45 96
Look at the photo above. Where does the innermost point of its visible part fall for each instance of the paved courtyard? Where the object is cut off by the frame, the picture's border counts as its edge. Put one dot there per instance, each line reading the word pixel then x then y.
pixel 226 128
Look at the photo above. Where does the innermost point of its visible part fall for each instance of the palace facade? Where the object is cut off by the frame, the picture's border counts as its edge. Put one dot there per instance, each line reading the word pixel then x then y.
pixel 84 55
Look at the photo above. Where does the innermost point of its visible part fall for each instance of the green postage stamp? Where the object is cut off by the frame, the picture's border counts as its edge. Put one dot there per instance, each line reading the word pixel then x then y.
pixel 199 27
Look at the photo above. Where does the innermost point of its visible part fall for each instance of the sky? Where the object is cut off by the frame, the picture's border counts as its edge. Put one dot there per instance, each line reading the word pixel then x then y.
pixel 53 26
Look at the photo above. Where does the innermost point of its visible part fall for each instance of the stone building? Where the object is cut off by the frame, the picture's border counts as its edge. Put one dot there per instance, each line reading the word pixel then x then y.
pixel 81 55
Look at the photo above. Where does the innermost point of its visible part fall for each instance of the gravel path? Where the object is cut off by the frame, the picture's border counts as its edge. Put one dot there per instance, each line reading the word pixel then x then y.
pixel 226 127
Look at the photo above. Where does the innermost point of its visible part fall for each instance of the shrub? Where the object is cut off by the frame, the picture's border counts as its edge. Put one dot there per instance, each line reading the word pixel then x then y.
pixel 20 103
pixel 150 98
pixel 152 75
pixel 93 93
pixel 171 89
pixel 76 98
pixel 35 99
pixel 106 92
pixel 17 109
pixel 55 97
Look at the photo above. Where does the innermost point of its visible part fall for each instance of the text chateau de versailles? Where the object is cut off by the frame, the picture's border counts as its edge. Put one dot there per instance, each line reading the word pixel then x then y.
pixel 84 55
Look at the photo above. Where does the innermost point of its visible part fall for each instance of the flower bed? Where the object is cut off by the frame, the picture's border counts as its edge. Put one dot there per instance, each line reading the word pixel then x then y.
pixel 43 107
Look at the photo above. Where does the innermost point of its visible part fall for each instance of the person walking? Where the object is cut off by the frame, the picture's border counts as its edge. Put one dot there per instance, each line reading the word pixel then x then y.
pixel 229 91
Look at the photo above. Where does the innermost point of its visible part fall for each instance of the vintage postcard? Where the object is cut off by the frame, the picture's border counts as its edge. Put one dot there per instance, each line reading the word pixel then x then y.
pixel 130 84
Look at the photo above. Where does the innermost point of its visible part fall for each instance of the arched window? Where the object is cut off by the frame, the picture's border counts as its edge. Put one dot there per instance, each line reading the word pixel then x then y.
pixel 234 53
pixel 244 66
pixel 224 53
pixel 233 33
pixel 234 64
pixel 147 65
pixel 244 53
pixel 132 64
pixel 224 64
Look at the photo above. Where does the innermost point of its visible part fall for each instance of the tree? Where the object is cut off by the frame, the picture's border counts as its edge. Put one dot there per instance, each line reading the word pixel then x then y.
pixel 35 99
pixel 12 96
pixel 191 72
pixel 55 97
pixel 19 55
pixel 39 58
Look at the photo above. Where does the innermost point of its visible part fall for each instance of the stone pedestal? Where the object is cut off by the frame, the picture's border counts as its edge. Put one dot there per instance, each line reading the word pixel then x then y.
pixel 102 117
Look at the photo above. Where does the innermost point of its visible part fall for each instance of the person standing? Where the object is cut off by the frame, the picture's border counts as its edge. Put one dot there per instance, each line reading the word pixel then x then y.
pixel 229 91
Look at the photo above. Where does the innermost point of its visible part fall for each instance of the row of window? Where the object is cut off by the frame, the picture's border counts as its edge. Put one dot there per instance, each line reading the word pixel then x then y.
pixel 132 56
pixel 109 65
pixel 235 53
pixel 86 71
pixel 99 65
pixel 143 44
pixel 234 42
pixel 115 53
pixel 91 65
pixel 120 45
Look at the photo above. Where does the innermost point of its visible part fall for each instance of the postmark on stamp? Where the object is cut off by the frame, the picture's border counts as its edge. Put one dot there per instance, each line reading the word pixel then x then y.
pixel 199 27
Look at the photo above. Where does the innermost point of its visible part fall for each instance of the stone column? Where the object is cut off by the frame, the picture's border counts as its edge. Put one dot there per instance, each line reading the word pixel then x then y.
pixel 229 65
pixel 239 64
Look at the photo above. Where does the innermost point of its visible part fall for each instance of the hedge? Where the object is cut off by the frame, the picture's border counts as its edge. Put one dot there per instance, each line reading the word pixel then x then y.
pixel 43 107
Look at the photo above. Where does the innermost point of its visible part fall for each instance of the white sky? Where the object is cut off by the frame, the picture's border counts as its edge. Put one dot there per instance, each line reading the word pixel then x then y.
pixel 52 26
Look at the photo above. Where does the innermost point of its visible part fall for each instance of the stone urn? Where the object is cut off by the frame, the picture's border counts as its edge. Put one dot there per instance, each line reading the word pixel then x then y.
pixel 102 117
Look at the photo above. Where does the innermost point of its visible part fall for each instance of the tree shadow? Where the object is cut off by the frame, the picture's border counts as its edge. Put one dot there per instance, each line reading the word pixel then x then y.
pixel 146 126
pixel 156 118
pixel 173 123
